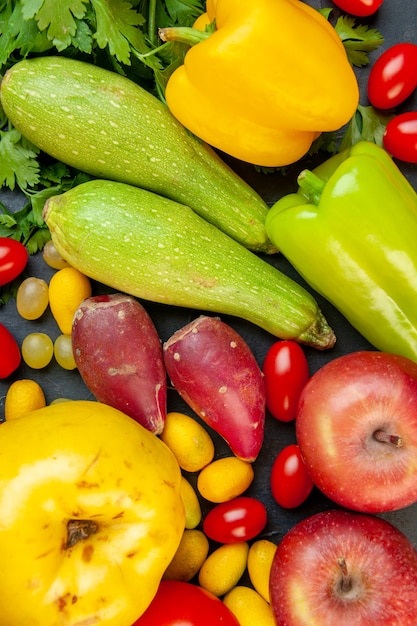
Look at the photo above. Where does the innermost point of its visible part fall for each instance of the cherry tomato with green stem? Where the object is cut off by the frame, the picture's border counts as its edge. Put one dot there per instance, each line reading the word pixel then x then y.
pixel 13 259
pixel 359 8
pixel 178 603
pixel 10 356
pixel 400 137
pixel 286 371
pixel 239 519
pixel 393 76
pixel 290 482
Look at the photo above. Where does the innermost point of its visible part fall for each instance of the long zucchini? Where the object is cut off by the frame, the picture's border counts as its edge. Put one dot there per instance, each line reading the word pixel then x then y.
pixel 108 126
pixel 154 248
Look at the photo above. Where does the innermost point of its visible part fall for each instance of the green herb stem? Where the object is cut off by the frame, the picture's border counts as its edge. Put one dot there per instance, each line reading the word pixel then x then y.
pixel 183 34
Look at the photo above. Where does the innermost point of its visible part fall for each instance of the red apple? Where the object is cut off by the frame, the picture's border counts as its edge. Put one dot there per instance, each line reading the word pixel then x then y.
pixel 339 568
pixel 356 427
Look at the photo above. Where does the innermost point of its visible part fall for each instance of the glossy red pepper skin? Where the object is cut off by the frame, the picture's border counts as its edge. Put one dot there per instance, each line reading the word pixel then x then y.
pixel 393 76
pixel 179 603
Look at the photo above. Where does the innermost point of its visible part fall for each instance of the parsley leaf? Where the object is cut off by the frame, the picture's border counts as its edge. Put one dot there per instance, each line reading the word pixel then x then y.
pixel 19 33
pixel 184 13
pixel 24 226
pixel 83 38
pixel 18 162
pixel 325 142
pixel 57 18
pixel 9 291
pixel 358 40
pixel 366 125
pixel 117 24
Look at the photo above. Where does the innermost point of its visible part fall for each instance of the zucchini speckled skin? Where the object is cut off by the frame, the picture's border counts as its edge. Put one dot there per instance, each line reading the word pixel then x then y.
pixel 154 248
pixel 106 125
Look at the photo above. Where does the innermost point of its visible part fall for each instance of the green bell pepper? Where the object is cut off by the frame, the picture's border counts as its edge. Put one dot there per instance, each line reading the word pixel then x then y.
pixel 351 232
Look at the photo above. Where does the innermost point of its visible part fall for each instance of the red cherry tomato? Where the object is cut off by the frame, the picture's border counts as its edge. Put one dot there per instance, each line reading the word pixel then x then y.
pixel 10 356
pixel 285 370
pixel 239 519
pixel 184 604
pixel 359 8
pixel 400 137
pixel 393 76
pixel 13 259
pixel 290 482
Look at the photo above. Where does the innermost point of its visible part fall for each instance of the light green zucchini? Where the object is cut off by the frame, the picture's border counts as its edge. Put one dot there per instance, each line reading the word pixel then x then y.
pixel 156 249
pixel 108 126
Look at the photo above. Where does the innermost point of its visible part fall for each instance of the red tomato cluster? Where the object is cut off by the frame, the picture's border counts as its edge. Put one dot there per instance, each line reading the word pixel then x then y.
pixel 392 79
pixel 286 372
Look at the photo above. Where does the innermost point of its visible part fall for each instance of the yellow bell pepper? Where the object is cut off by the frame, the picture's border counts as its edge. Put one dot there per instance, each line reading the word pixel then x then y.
pixel 265 82
pixel 91 516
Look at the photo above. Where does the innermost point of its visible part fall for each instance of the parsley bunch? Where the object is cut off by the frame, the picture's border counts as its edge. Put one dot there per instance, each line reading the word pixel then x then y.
pixel 119 35
pixel 85 28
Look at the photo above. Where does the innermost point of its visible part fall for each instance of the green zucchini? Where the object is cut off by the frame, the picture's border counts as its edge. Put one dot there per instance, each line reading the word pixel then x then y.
pixel 156 249
pixel 108 126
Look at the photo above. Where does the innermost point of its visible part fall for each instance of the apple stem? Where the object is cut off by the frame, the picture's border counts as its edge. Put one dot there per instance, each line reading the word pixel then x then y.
pixel 346 582
pixel 79 529
pixel 384 437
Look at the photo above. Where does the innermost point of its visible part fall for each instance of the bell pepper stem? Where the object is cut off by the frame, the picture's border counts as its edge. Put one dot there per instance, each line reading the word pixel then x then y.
pixel 183 34
pixel 312 185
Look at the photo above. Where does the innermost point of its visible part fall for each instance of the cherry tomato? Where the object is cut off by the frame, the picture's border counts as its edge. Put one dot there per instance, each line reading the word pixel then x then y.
pixel 239 519
pixel 285 370
pixel 10 356
pixel 290 481
pixel 13 259
pixel 359 8
pixel 393 76
pixel 400 137
pixel 184 604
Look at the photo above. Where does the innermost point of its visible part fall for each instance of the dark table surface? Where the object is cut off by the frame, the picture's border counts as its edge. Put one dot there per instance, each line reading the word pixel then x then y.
pixel 397 21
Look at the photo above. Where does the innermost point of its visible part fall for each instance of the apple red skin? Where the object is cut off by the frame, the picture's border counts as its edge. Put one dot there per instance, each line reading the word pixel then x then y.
pixel 341 408
pixel 215 372
pixel 306 573
pixel 119 355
